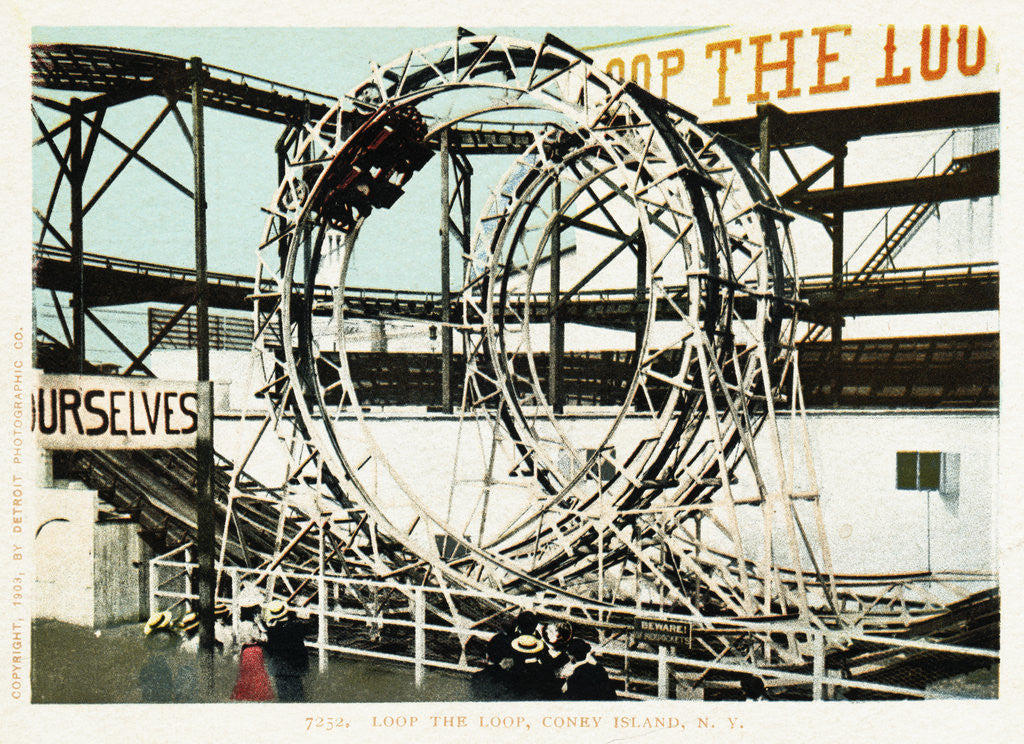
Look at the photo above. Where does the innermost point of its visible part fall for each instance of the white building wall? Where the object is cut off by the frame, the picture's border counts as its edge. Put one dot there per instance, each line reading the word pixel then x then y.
pixel 63 554
pixel 871 526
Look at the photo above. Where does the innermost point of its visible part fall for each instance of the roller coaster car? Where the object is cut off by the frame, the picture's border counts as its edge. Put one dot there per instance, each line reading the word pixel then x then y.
pixel 373 166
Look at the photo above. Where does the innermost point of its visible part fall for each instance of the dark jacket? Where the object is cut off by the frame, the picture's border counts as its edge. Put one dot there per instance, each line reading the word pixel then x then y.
pixel 533 680
pixel 491 683
pixel 285 649
pixel 589 682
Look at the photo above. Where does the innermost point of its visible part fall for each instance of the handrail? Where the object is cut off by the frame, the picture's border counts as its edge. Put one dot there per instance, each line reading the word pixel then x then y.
pixel 967 268
pixel 274 85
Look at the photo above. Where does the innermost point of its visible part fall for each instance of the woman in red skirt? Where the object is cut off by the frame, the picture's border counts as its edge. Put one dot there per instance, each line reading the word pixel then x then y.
pixel 253 682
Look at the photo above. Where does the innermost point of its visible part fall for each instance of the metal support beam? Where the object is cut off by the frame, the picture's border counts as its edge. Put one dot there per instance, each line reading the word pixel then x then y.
pixel 556 328
pixel 978 177
pixel 282 162
pixel 764 156
pixel 76 179
pixel 205 547
pixel 838 177
pixel 160 335
pixel 136 361
pixel 465 171
pixel 640 300
pixel 446 328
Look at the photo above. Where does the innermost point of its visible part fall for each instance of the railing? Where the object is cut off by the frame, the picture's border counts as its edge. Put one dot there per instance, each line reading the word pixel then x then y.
pixel 245 77
pixel 381 294
pixel 171 587
pixel 225 331
pixel 142 268
pixel 932 163
pixel 955 271
pixel 919 213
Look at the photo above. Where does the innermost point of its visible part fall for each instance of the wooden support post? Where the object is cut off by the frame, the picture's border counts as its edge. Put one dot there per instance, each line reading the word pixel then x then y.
pixel 77 166
pixel 205 550
pixel 419 635
pixel 446 328
pixel 556 329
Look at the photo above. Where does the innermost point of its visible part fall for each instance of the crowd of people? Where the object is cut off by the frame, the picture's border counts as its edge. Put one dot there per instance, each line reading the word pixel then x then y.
pixel 268 645
pixel 527 661
pixel 531 661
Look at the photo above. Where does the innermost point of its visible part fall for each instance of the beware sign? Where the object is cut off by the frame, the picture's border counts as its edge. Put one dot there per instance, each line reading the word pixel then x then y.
pixel 109 412
pixel 662 632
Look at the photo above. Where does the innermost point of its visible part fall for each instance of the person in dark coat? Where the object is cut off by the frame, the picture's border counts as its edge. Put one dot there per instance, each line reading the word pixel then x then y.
pixel 526 625
pixel 493 682
pixel 287 656
pixel 557 637
pixel 156 680
pixel 589 680
pixel 753 688
pixel 532 677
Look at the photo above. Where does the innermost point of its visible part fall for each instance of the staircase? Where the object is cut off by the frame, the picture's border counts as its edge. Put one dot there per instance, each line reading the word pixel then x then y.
pixel 899 236
pixel 904 231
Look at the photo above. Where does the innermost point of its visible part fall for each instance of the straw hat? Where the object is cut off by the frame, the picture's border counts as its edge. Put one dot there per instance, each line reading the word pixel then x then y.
pixel 158 621
pixel 188 621
pixel 274 613
pixel 527 644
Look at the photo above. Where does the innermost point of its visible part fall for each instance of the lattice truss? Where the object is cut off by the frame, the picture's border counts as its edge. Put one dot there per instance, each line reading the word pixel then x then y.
pixel 648 513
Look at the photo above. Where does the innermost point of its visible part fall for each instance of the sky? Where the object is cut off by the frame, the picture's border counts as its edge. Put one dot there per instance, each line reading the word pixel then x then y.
pixel 141 217
pixel 144 218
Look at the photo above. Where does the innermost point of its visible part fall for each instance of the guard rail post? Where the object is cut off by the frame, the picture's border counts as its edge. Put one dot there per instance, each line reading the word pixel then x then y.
pixel 321 595
pixel 819 666
pixel 662 672
pixel 235 607
pixel 419 635
pixel 154 582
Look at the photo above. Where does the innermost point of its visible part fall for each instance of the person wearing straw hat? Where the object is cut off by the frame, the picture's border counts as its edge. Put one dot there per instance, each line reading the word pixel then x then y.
pixel 287 656
pixel 250 625
pixel 531 677
pixel 155 677
pixel 188 626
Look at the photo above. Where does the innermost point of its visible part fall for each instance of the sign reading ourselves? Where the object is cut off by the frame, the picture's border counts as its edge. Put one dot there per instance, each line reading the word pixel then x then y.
pixel 723 74
pixel 109 412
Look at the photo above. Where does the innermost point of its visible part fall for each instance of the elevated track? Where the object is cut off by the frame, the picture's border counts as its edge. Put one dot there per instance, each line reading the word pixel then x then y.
pixel 117 281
